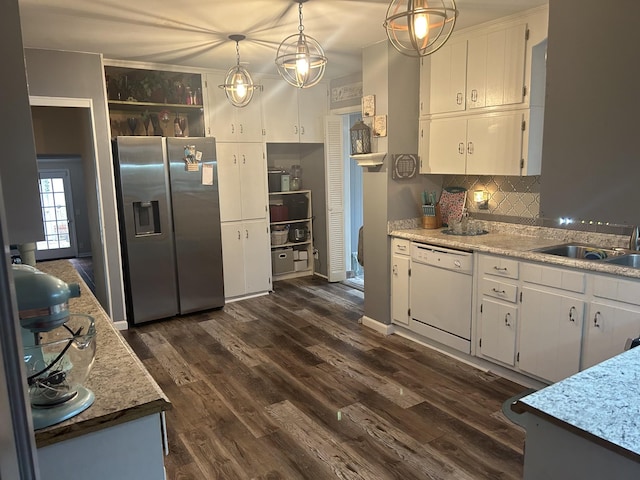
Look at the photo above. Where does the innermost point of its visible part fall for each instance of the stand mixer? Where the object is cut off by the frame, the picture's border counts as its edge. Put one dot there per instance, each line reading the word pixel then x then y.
pixel 59 347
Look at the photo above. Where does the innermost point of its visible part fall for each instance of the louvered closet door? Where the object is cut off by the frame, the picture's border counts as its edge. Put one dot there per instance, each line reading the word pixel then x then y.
pixel 336 264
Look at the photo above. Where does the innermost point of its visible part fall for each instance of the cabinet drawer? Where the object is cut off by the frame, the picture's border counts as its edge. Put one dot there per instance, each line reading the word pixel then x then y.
pixel 400 246
pixel 497 289
pixel 554 277
pixel 503 267
pixel 627 291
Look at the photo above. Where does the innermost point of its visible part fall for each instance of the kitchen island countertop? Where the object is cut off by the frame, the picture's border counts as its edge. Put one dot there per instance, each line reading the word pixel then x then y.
pixel 520 246
pixel 123 388
pixel 601 404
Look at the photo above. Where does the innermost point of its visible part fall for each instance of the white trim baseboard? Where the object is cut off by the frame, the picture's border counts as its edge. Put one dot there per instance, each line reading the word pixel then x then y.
pixel 383 328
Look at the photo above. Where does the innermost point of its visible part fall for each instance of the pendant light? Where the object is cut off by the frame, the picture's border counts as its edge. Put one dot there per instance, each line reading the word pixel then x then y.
pixel 238 84
pixel 300 58
pixel 418 28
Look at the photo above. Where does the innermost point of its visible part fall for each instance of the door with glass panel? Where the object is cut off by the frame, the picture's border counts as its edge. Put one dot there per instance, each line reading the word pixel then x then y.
pixel 57 215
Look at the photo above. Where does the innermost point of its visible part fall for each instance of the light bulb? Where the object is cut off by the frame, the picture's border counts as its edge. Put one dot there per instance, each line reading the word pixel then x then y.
pixel 302 65
pixel 421 26
pixel 241 89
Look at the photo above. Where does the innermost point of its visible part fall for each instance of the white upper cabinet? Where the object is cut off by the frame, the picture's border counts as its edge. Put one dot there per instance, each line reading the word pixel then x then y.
pixel 228 123
pixel 448 78
pixel 495 67
pixel 293 115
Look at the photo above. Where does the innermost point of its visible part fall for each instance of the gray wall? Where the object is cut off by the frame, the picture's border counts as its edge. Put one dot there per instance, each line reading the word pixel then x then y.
pixel 18 161
pixel 80 75
pixel 590 156
pixel 394 80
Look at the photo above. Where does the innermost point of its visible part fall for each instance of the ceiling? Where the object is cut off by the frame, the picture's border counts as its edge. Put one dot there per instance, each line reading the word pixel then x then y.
pixel 194 33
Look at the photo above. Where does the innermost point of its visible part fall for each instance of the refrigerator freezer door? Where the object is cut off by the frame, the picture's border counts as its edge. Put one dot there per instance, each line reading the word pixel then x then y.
pixel 145 228
pixel 196 221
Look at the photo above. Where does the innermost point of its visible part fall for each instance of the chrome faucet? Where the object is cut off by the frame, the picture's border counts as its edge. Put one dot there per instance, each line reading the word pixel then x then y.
pixel 634 240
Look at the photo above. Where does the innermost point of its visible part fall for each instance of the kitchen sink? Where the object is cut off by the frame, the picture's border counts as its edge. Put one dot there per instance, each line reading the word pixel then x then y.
pixel 584 252
pixel 628 260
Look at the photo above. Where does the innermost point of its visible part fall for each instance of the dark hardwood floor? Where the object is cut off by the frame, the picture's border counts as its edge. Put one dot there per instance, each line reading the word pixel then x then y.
pixel 290 386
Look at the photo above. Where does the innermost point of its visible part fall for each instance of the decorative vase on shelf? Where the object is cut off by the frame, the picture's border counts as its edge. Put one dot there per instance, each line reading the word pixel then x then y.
pixel 155 123
pixel 133 124
pixel 145 121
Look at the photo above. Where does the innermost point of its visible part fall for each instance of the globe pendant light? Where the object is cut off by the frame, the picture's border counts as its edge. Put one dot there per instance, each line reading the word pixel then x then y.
pixel 300 58
pixel 238 84
pixel 418 28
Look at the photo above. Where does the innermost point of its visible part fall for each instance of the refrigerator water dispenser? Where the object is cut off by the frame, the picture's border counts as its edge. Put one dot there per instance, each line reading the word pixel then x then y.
pixel 146 218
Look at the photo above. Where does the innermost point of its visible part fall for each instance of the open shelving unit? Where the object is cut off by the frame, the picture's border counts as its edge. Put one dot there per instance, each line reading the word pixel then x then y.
pixel 292 259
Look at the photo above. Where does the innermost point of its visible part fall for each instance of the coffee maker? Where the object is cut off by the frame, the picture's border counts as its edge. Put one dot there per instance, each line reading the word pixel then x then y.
pixel 59 347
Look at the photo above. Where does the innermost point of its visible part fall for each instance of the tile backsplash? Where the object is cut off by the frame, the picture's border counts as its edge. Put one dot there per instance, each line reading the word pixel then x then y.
pixel 515 199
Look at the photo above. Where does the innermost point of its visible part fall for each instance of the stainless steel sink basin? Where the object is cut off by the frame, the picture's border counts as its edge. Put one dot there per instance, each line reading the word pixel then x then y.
pixel 582 251
pixel 628 260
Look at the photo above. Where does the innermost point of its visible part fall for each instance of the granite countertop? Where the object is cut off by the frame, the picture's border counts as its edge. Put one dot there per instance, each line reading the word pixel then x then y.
pixel 519 243
pixel 601 403
pixel 123 388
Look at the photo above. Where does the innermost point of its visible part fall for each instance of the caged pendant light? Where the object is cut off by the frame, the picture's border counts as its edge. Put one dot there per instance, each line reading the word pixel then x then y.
pixel 300 58
pixel 418 28
pixel 238 84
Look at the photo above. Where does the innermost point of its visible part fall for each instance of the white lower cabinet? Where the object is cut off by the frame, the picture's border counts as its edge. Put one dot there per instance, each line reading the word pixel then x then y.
pixel 246 258
pixel 614 316
pixel 400 265
pixel 550 333
pixel 499 323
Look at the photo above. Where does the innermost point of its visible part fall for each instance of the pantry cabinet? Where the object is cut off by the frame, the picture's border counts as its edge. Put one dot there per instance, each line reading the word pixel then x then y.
pixel 245 258
pixel 242 170
pixel 229 123
pixel 293 115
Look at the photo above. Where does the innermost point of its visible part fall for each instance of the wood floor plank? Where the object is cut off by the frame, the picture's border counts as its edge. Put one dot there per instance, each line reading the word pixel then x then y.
pixel 179 370
pixel 386 387
pixel 421 458
pixel 246 354
pixel 340 461
pixel 291 386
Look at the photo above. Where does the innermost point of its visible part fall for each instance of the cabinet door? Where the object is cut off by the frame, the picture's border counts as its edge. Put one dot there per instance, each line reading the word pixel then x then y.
pixel 248 120
pixel 498 324
pixel 425 86
pixel 253 172
pixel 229 182
pixel 312 107
pixel 505 66
pixel 447 146
pixel 220 112
pixel 494 144
pixel 400 289
pixel 257 256
pixel 477 71
pixel 448 78
pixel 609 327
pixel 233 259
pixel 280 111
pixel 550 334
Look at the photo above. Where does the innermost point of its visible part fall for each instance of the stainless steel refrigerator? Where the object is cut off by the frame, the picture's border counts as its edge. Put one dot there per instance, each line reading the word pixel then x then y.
pixel 169 215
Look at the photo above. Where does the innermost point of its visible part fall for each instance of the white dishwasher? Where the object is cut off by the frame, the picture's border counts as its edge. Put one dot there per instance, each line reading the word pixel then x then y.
pixel 441 289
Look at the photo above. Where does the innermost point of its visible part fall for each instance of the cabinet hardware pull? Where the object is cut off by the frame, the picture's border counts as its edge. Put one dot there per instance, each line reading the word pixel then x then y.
pixel 241 129
pixel 595 320
pixel 459 98
pixel 499 292
pixel 239 237
pixel 246 233
pixel 295 129
pixel 395 269
pixel 500 269
pixel 474 95
pixel 470 148
pixel 244 159
pixel 571 312
pixel 233 128
pixel 302 130
pixel 235 159
pixel 402 247
pixel 461 148
pixel 506 319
